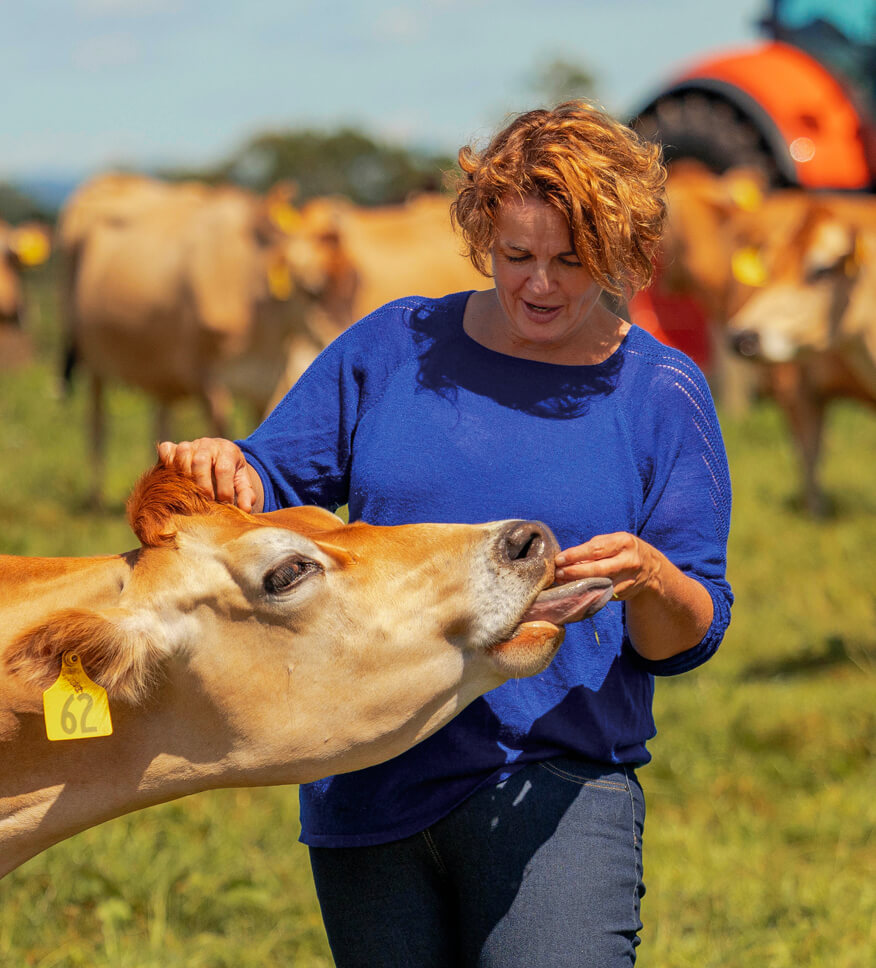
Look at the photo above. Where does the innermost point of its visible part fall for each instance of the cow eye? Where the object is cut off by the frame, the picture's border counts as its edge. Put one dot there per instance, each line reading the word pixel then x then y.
pixel 289 574
pixel 817 273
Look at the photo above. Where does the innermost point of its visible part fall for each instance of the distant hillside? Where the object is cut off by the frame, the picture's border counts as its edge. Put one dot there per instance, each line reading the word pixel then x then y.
pixel 17 205
pixel 47 193
pixel 345 161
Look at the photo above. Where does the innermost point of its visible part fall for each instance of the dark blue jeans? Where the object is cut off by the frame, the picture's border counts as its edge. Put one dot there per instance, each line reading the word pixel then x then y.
pixel 541 871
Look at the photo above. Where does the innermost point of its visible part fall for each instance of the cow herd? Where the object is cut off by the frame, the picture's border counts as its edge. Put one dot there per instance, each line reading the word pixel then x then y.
pixel 213 292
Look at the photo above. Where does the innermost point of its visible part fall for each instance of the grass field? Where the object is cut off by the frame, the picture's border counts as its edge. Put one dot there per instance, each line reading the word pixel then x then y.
pixel 759 842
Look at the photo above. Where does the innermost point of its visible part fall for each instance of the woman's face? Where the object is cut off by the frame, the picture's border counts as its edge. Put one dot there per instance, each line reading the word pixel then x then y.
pixel 546 294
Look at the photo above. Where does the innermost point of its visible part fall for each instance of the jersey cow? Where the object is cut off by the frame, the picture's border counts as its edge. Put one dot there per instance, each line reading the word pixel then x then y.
pixel 380 254
pixel 184 290
pixel 245 650
pixel 812 317
pixel 696 260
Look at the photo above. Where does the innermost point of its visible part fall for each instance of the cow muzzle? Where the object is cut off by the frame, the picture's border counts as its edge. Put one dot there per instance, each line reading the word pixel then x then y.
pixel 528 550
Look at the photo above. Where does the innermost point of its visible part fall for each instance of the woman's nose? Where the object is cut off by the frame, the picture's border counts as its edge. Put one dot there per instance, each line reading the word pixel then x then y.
pixel 540 281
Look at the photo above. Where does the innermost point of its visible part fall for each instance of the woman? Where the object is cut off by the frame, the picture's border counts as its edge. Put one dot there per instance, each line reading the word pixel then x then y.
pixel 513 836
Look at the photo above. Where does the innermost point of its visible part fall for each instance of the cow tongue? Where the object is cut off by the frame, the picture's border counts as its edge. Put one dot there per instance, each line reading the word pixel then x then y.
pixel 562 604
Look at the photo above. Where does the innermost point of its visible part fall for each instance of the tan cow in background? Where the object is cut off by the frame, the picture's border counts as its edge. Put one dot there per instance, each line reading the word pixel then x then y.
pixel 383 253
pixel 696 259
pixel 812 317
pixel 184 290
pixel 246 650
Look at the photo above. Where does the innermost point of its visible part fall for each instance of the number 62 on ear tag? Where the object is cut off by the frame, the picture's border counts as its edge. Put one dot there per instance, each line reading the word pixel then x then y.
pixel 75 707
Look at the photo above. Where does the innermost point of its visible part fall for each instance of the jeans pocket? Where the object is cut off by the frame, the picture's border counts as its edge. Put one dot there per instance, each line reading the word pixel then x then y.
pixel 585 773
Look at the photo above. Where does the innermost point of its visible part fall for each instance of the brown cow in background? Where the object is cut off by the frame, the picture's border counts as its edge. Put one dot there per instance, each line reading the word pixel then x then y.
pixel 184 290
pixel 382 254
pixel 697 260
pixel 812 318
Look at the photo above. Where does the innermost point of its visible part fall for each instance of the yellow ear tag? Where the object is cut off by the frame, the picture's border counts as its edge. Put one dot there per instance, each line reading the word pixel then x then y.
pixel 748 268
pixel 280 281
pixel 746 194
pixel 75 707
pixel 286 218
pixel 31 247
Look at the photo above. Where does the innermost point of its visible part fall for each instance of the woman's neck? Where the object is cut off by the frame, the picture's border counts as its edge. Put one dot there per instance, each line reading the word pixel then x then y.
pixel 594 342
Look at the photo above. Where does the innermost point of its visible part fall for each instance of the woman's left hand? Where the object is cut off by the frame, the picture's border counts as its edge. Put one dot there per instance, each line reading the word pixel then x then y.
pixel 666 611
pixel 631 564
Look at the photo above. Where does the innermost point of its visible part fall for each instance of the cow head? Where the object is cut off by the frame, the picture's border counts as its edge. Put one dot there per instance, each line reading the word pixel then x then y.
pixel 305 252
pixel 808 263
pixel 304 631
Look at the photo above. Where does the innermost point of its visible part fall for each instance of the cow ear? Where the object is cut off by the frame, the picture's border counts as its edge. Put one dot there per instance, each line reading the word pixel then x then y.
pixel 126 662
pixel 159 496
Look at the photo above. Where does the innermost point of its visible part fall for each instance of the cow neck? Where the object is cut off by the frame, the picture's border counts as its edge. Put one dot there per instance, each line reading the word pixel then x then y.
pixel 170 746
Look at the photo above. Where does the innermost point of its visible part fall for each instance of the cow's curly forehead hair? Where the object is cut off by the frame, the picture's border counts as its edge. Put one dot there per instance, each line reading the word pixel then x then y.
pixel 606 181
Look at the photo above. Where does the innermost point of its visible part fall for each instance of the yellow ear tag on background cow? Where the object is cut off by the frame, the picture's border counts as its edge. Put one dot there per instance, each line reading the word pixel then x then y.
pixel 280 281
pixel 746 194
pixel 31 247
pixel 748 268
pixel 75 707
pixel 284 216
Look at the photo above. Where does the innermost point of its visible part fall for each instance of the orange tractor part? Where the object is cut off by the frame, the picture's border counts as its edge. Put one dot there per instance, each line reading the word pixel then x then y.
pixel 822 130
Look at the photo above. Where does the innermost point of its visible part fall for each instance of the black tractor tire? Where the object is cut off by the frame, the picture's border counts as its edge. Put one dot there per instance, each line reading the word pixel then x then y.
pixel 707 126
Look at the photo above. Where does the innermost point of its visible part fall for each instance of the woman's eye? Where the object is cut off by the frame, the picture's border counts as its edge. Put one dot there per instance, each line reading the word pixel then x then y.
pixel 517 258
pixel 285 576
pixel 572 263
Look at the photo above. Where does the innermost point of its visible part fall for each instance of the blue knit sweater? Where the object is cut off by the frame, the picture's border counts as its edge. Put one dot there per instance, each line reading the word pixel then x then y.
pixel 406 418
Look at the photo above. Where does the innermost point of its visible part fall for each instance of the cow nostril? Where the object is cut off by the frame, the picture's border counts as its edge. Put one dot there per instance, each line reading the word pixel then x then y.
pixel 746 343
pixel 523 541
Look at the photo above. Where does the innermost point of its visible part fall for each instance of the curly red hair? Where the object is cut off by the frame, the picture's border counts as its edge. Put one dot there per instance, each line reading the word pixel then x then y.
pixel 606 181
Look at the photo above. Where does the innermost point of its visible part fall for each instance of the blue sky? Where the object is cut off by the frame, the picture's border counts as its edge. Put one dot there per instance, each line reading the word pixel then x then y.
pixel 93 83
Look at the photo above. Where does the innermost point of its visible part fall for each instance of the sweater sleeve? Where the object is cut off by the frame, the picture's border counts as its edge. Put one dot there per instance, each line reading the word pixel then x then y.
pixel 303 449
pixel 686 481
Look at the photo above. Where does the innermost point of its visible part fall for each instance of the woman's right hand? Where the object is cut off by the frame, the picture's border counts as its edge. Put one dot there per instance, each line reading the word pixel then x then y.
pixel 218 467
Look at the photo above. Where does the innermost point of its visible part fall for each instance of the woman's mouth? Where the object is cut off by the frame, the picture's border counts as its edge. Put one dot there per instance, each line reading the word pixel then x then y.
pixel 540 313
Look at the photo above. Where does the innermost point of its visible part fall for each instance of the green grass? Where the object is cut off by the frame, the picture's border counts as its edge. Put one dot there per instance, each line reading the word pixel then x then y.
pixel 759 841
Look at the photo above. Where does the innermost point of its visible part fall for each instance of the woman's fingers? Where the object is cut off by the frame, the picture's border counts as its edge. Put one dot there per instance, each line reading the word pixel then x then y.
pixel 203 460
pixel 216 465
pixel 622 557
pixel 166 451
pixel 245 494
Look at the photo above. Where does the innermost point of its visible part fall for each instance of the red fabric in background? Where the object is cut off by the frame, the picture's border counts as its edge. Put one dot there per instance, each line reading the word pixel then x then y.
pixel 675 319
